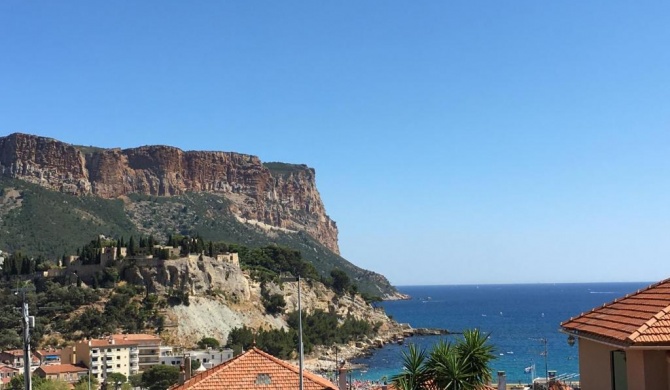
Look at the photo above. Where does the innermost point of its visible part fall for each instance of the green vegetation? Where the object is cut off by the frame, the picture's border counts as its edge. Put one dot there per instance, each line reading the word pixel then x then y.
pixel 159 377
pixel 319 328
pixel 280 168
pixel 38 383
pixel 114 377
pixel 463 365
pixel 209 342
pixel 52 224
pixel 64 311
pixel 270 261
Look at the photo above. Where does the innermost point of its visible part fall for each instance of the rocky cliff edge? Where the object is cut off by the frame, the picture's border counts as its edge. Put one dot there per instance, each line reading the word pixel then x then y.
pixel 274 194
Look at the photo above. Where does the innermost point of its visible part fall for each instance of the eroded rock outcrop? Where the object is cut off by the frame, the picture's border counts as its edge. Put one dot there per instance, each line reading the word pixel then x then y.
pixel 276 194
pixel 223 297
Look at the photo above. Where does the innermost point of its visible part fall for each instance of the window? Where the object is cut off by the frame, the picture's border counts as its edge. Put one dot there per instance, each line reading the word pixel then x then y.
pixel 619 376
pixel 118 357
pixel 118 366
pixel 118 350
pixel 109 350
pixel 263 379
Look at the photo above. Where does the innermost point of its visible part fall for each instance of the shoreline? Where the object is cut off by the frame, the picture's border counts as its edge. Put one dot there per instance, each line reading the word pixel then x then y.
pixel 324 359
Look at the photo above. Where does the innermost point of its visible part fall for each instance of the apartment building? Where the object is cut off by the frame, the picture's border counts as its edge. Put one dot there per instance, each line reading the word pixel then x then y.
pixel 104 356
pixel 148 348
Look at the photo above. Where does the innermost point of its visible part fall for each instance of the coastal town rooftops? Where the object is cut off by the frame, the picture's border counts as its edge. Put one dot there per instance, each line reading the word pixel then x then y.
pixel 638 319
pixel 54 369
pixel 252 370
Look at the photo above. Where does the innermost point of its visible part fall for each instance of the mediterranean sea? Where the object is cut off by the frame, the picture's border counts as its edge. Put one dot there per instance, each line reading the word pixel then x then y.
pixel 518 317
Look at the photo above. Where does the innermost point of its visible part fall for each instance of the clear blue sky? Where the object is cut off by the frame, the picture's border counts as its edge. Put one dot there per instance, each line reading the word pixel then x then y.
pixel 454 141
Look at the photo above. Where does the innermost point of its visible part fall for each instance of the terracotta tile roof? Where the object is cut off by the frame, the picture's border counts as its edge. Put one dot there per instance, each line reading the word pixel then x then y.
pixel 14 352
pixel 48 352
pixel 104 343
pixel 641 318
pixel 54 369
pixel 255 369
pixel 7 369
pixel 137 337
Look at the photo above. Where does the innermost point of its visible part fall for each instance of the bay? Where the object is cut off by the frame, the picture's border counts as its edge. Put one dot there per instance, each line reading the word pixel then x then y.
pixel 518 317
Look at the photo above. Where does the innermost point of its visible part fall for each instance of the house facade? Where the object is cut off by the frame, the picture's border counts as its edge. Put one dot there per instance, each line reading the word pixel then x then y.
pixel 14 358
pixel 625 344
pixel 7 373
pixel 62 372
pixel 48 356
pixel 208 358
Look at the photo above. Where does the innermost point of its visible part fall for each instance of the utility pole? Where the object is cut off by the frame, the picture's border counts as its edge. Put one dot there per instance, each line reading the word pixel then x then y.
pixel 28 323
pixel 300 348
pixel 546 368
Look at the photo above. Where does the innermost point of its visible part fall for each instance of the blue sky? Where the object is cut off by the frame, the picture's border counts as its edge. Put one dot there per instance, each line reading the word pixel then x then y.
pixel 454 141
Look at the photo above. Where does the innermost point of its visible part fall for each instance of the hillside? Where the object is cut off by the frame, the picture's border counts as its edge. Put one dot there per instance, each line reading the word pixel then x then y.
pixel 187 298
pixel 54 196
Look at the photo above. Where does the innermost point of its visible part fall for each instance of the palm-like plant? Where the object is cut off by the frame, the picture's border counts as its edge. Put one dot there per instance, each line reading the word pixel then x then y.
pixel 460 366
pixel 447 369
pixel 477 355
pixel 414 375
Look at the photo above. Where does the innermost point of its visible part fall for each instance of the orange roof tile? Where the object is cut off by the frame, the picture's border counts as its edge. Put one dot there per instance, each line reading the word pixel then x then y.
pixel 14 352
pixel 53 369
pixel 641 318
pixel 137 337
pixel 254 369
pixel 7 369
pixel 104 343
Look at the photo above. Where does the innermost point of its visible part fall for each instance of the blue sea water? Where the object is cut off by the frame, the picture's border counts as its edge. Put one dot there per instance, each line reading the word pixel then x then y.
pixel 517 317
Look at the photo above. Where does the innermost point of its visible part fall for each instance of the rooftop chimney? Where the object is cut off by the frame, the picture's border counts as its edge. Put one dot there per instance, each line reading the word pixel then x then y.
pixel 342 377
pixel 182 374
pixel 502 380
pixel 187 366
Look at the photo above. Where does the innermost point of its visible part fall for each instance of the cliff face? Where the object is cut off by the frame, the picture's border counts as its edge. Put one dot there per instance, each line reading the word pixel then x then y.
pixel 280 195
pixel 231 299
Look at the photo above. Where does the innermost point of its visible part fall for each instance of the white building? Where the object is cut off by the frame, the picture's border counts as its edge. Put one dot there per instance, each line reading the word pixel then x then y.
pixel 208 358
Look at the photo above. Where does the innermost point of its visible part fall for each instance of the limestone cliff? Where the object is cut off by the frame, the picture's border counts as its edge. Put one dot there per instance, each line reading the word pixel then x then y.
pixel 223 297
pixel 275 194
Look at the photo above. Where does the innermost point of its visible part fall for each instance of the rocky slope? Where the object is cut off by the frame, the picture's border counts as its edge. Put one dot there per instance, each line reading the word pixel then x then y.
pixel 223 297
pixel 276 194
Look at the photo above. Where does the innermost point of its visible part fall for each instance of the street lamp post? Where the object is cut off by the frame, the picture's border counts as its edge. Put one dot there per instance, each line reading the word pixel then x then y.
pixel 300 349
